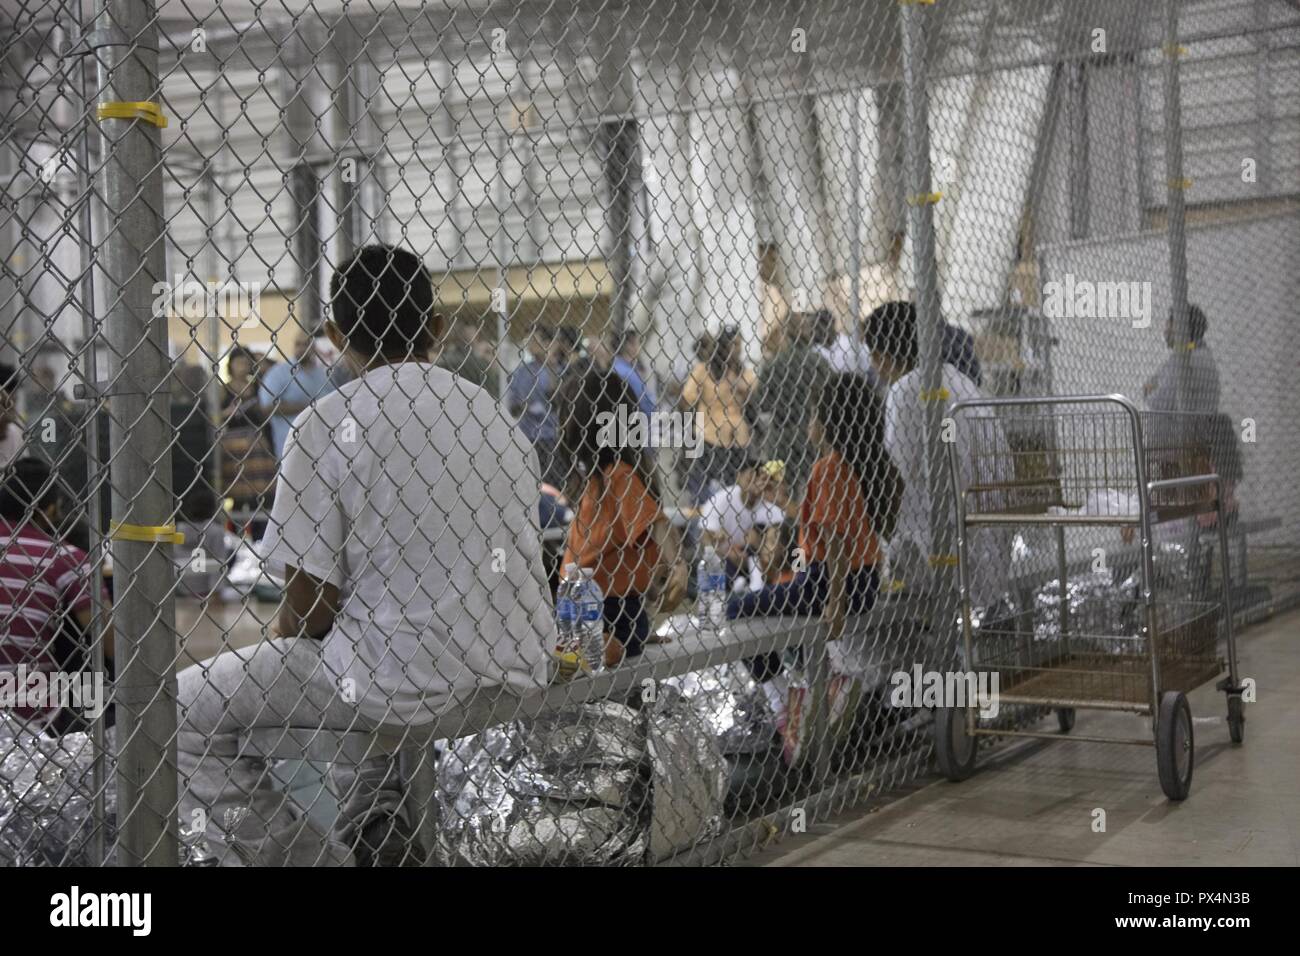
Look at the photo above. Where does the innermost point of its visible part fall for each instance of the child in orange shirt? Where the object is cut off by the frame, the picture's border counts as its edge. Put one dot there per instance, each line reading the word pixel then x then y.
pixel 851 494
pixel 619 529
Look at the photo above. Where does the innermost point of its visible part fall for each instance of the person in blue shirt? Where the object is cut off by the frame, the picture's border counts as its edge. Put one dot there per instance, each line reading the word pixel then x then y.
pixel 530 396
pixel 290 387
pixel 625 350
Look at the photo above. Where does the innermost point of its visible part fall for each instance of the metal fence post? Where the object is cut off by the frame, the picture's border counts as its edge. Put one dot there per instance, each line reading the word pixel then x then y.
pixel 358 138
pixel 218 333
pixel 920 201
pixel 1176 204
pixel 301 80
pixel 90 441
pixel 140 435
pixel 855 239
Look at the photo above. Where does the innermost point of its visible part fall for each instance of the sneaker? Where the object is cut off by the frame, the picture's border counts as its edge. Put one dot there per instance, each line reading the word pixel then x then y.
pixel 388 841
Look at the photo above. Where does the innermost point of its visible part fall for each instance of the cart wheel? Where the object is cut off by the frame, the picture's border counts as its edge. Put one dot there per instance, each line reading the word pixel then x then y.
pixel 953 746
pixel 1065 719
pixel 1174 749
pixel 1236 718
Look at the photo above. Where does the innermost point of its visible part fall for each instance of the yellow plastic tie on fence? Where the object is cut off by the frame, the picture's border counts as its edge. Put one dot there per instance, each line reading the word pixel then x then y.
pixel 916 3
pixel 1180 184
pixel 147 111
pixel 1174 49
pixel 935 395
pixel 943 560
pixel 924 199
pixel 151 534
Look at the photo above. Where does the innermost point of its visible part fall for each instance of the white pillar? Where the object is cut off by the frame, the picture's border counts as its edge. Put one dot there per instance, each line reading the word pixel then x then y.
pixel 950 106
pixel 872 218
pixel 787 147
pixel 667 308
pixel 723 213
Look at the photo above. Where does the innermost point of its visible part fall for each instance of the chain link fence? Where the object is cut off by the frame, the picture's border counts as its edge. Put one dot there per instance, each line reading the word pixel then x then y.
pixel 340 337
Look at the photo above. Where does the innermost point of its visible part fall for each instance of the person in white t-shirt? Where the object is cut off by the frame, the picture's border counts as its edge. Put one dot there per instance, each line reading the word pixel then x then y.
pixel 892 334
pixel 735 519
pixel 844 351
pixel 405 521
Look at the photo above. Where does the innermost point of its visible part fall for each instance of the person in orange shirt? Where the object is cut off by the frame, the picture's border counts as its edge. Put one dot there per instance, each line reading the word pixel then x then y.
pixel 619 529
pixel 850 500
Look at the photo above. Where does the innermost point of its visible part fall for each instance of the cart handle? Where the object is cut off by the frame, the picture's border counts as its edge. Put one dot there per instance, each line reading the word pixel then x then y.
pixel 1114 398
pixel 1187 481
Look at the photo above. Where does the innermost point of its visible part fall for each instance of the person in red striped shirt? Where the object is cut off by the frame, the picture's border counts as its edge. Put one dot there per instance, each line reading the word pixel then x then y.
pixel 43 581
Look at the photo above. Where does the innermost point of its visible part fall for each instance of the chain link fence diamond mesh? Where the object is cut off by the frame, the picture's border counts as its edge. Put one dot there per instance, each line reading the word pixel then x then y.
pixel 482 433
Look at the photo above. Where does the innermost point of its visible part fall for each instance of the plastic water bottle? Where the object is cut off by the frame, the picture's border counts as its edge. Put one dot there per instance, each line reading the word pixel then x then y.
pixel 711 585
pixel 566 610
pixel 589 628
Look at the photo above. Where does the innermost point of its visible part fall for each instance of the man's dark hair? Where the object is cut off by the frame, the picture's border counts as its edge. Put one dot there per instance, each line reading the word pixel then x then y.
pixel 382 301
pixel 1197 323
pixel 821 328
pixel 570 338
pixel 27 486
pixel 853 418
pixel 620 339
pixel 722 360
pixel 704 347
pixel 8 377
pixel 240 352
pixel 587 394
pixel 891 330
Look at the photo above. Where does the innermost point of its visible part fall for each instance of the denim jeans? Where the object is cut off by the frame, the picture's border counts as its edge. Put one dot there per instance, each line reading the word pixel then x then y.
pixel 805 596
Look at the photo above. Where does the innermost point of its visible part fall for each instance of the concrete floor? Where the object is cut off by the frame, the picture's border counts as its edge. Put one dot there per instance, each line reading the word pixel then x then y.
pixel 1031 803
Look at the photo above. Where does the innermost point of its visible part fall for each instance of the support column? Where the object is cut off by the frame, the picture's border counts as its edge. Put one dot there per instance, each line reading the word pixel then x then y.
pixel 619 145
pixel 720 150
pixel 1176 187
pixel 140 440
pixel 300 83
pixel 917 180
pixel 787 149
pixel 360 189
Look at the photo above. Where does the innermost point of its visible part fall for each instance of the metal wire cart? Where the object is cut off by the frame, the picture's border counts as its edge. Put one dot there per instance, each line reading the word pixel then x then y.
pixel 1093 461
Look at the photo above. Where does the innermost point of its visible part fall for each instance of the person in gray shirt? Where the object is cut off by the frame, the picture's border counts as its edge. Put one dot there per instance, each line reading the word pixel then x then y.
pixel 788 385
pixel 1161 390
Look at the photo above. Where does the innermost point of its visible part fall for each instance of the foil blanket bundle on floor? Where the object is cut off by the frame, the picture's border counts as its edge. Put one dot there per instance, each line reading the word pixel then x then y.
pixel 600 783
pixel 46 810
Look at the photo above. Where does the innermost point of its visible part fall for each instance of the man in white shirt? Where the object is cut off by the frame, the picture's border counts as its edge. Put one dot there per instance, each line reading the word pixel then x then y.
pixel 892 334
pixel 405 520
pixel 843 351
pixel 735 519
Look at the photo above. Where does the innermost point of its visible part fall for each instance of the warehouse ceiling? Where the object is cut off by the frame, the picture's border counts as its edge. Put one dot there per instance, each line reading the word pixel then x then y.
pixel 855 35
